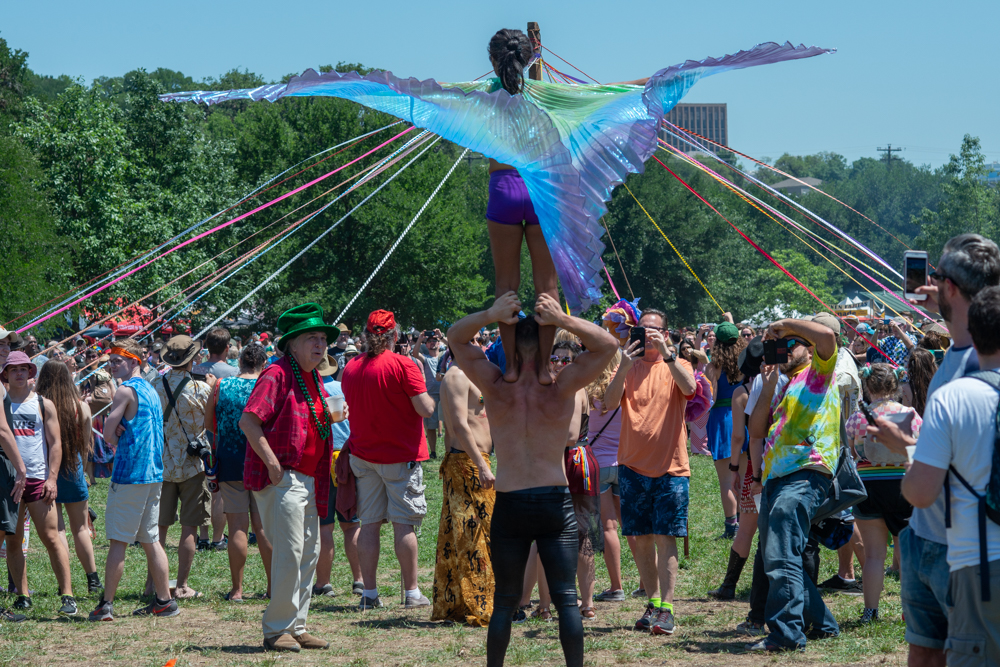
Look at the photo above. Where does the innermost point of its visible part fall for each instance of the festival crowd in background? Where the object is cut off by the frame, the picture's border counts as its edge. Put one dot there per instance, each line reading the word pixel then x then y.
pixel 861 437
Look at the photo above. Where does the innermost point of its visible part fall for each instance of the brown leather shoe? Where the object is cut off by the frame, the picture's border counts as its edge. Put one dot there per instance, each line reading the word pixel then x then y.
pixel 283 642
pixel 306 640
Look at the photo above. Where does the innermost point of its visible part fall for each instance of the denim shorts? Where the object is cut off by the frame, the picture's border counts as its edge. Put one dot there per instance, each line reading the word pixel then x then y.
pixel 609 480
pixel 923 580
pixel 653 505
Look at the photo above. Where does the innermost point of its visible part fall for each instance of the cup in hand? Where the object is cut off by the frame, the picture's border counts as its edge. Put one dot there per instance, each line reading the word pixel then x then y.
pixel 335 404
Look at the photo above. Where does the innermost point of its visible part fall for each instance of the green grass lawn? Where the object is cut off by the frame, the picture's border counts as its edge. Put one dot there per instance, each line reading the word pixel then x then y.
pixel 211 631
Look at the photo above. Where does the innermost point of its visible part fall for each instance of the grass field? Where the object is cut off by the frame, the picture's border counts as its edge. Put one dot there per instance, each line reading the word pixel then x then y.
pixel 211 631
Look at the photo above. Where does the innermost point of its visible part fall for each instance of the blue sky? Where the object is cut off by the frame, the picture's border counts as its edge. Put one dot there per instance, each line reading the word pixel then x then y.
pixel 915 74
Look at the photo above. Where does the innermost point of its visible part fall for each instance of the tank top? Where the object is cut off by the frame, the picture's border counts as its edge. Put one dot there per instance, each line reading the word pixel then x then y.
pixel 724 391
pixel 139 455
pixel 29 433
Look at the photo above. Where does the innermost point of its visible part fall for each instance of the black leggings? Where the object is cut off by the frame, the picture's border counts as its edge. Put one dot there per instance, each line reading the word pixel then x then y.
pixel 544 515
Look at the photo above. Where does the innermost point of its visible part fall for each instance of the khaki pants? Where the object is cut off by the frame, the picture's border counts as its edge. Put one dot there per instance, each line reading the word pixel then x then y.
pixel 288 514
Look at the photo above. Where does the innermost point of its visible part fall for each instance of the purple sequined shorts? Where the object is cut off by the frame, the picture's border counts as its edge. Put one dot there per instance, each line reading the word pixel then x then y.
pixel 509 202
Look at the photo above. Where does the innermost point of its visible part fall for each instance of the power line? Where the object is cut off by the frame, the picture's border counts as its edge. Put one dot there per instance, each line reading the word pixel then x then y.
pixel 888 154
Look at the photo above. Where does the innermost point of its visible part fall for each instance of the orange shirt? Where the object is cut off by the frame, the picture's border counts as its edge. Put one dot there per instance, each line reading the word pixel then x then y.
pixel 654 438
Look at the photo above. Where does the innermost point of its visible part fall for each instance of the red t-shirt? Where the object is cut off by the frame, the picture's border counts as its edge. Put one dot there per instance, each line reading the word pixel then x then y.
pixel 385 428
pixel 313 450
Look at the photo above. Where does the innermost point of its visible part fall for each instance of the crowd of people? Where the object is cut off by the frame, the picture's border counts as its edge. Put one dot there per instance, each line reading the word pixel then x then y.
pixel 276 440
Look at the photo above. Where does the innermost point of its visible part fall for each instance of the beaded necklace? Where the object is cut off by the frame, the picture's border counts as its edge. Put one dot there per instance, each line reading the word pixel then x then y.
pixel 322 425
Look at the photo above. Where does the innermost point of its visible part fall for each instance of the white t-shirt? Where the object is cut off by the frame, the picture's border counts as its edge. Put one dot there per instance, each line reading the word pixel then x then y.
pixel 928 523
pixel 29 434
pixel 758 386
pixel 959 430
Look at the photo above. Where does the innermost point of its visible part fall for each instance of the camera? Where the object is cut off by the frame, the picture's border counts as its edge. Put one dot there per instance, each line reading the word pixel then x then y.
pixel 198 448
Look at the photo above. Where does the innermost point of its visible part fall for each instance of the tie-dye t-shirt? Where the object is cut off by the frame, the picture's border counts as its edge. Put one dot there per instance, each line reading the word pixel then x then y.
pixel 805 431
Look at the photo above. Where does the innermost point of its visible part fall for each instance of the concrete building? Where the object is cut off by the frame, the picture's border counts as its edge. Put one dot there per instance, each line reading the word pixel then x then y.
pixel 708 120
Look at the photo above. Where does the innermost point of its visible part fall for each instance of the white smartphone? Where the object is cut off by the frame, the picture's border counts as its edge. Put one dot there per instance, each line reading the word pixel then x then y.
pixel 914 273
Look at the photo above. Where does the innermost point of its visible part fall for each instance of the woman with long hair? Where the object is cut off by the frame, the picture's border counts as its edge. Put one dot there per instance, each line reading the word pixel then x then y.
pixel 724 373
pixel 750 360
pixel 223 412
pixel 885 511
pixel 921 368
pixel 55 382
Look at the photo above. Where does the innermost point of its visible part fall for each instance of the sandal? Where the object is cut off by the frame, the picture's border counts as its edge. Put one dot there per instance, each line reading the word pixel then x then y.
pixel 542 613
pixel 588 613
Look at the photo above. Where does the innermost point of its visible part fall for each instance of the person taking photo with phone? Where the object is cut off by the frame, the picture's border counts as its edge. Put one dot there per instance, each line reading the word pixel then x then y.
pixel 801 451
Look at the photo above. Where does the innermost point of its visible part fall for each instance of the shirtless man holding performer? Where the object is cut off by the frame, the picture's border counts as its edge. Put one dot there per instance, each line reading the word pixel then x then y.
pixel 529 422
pixel 463 578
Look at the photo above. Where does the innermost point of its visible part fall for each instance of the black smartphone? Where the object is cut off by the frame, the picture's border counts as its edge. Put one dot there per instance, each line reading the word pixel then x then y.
pixel 776 351
pixel 868 413
pixel 639 334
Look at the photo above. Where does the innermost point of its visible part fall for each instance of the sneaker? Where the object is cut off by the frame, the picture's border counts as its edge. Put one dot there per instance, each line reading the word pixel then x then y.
pixel 161 610
pixel 325 590
pixel 520 616
pixel 104 612
pixel 202 546
pixel 748 627
pixel 68 607
pixel 251 538
pixel 413 602
pixel 11 617
pixel 23 602
pixel 869 616
pixel 94 583
pixel 611 596
pixel 729 532
pixel 221 545
pixel 664 624
pixel 639 593
pixel 836 583
pixel 647 618
pixel 358 588
pixel 767 646
pixel 369 603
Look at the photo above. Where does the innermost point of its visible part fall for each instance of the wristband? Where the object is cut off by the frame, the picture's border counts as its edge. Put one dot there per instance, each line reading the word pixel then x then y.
pixel 755 478
pixel 733 468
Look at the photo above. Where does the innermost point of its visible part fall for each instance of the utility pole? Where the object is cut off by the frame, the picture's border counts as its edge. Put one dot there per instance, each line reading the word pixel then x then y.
pixel 535 37
pixel 888 154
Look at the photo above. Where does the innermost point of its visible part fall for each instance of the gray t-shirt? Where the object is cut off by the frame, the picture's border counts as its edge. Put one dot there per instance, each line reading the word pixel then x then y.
pixel 928 523
pixel 430 368
pixel 219 369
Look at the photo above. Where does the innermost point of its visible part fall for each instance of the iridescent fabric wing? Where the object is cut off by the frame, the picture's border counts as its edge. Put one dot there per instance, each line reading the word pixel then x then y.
pixel 571 144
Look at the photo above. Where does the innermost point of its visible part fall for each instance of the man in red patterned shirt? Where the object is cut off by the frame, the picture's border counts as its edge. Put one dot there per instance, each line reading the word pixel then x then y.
pixel 288 469
pixel 389 402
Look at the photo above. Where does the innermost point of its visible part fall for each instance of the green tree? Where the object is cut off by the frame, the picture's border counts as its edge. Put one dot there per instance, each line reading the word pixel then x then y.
pixel 969 204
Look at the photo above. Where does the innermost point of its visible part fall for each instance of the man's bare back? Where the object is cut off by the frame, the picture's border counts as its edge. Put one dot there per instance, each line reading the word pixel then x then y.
pixel 530 421
pixel 463 410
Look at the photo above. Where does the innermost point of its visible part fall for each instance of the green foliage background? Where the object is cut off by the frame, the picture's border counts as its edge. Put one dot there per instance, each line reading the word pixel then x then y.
pixel 94 175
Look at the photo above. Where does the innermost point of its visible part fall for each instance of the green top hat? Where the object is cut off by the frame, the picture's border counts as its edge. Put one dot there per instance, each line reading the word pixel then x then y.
pixel 303 319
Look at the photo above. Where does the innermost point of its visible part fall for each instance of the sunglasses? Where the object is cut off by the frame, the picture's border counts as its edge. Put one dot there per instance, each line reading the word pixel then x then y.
pixel 938 276
pixel 661 329
pixel 563 361
pixel 792 342
pixel 747 335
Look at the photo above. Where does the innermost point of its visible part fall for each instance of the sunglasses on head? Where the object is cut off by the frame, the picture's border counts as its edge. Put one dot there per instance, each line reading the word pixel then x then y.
pixel 560 360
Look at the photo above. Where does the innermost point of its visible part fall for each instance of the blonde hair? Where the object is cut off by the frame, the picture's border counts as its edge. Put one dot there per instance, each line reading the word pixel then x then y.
pixel 563 336
pixel 597 388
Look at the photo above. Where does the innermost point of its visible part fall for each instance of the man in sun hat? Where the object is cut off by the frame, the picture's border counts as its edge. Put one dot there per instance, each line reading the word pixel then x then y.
pixel 8 339
pixel 183 401
pixel 287 468
pixel 389 401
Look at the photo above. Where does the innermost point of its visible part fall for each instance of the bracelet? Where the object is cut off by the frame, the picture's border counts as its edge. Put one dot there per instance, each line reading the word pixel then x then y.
pixel 733 468
pixel 755 478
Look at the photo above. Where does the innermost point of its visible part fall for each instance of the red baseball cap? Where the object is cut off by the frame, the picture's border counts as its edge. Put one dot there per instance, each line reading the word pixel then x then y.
pixel 381 321
pixel 263 336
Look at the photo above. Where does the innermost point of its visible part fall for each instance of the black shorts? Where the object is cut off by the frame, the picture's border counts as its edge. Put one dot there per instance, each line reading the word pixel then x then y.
pixel 885 501
pixel 332 515
pixel 8 508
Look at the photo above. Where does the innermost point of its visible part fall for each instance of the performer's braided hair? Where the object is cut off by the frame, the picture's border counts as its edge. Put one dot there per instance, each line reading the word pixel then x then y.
pixel 510 53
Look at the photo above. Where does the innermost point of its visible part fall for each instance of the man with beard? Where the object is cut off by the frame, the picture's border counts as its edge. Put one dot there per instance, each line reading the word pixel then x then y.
pixel 801 452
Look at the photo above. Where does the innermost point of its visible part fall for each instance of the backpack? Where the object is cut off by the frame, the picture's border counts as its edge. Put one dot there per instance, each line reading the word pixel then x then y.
pixel 989 503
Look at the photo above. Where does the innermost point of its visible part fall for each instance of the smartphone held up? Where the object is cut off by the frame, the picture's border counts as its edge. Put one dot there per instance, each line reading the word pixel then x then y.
pixel 638 334
pixel 915 273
